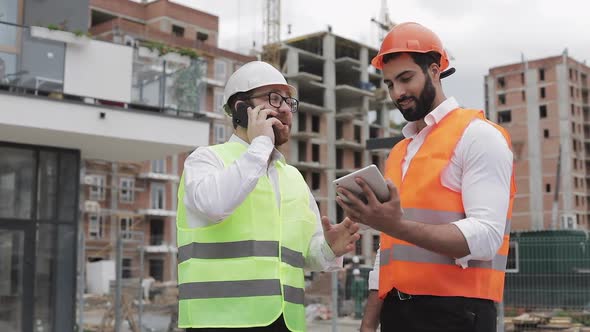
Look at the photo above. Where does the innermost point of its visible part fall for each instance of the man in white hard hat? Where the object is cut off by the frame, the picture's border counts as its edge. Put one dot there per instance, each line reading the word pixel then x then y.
pixel 247 222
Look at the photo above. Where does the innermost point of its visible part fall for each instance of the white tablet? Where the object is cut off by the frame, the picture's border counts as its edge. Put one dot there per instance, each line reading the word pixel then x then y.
pixel 372 176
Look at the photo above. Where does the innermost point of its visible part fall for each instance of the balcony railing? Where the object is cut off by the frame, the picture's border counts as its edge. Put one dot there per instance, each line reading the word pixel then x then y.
pixel 74 67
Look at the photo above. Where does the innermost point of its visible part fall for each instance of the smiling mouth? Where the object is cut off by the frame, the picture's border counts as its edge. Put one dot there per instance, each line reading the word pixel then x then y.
pixel 406 103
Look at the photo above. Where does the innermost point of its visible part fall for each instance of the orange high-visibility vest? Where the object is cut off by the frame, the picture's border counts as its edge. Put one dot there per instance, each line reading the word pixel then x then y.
pixel 418 271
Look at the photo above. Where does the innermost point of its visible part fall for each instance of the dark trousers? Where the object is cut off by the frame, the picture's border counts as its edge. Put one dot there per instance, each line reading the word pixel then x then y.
pixel 401 312
pixel 277 326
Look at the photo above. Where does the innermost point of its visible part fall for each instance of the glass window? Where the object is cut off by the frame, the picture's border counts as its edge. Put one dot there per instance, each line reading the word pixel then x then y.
pixel 126 227
pixel 158 197
pixel 126 190
pixel 219 133
pixel 11 279
pixel 159 166
pixel 218 102
pixel 44 276
pixel 220 70
pixel 17 173
pixel 8 73
pixel 95 226
pixel 97 188
pixel 10 13
pixel 69 167
pixel 47 185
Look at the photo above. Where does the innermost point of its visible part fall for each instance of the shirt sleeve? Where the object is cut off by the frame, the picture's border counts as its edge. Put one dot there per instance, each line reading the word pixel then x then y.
pixel 320 256
pixel 374 274
pixel 214 190
pixel 486 162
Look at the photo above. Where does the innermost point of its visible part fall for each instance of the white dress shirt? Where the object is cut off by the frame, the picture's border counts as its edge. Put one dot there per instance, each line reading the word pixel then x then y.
pixel 481 169
pixel 213 192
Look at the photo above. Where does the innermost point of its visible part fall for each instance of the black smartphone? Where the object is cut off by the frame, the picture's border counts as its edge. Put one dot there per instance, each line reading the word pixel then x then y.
pixel 240 116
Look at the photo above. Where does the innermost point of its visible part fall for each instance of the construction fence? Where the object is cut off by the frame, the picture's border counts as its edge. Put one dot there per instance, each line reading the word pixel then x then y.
pixel 547 271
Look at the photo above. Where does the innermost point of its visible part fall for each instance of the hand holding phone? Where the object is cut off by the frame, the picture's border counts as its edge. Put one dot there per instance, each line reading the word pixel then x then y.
pixel 240 115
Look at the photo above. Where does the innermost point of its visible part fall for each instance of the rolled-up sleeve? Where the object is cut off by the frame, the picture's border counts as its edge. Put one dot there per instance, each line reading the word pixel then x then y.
pixel 487 170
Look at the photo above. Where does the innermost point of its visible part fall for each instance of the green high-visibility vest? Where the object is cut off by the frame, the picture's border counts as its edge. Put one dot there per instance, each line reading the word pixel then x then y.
pixel 247 270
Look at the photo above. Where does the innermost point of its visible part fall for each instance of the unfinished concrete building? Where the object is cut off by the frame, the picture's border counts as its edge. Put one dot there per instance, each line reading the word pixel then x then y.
pixel 342 104
pixel 544 106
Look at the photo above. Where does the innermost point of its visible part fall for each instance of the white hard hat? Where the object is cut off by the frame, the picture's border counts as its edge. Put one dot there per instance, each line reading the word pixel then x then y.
pixel 254 75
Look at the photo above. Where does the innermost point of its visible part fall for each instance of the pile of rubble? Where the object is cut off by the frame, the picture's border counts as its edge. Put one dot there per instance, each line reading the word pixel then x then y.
pixel 543 322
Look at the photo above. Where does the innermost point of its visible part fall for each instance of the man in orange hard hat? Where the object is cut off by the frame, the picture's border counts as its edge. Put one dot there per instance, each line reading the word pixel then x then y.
pixel 445 228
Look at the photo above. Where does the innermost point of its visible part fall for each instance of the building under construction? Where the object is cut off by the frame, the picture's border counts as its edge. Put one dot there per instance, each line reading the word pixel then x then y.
pixel 544 106
pixel 343 103
pixel 140 198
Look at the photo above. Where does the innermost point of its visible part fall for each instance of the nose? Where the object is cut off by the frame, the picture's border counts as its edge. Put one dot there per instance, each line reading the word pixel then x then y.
pixel 284 107
pixel 397 92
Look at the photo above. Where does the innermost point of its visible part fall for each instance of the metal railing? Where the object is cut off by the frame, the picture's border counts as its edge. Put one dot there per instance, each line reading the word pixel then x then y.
pixel 36 66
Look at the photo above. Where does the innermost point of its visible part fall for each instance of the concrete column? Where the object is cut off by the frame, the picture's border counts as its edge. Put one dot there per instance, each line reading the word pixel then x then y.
pixel 292 67
pixel 329 47
pixel 565 131
pixel 534 149
pixel 172 224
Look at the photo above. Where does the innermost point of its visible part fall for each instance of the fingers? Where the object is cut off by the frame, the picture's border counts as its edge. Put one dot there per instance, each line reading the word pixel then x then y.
pixel 393 194
pixel 352 214
pixel 276 123
pixel 369 194
pixel 326 224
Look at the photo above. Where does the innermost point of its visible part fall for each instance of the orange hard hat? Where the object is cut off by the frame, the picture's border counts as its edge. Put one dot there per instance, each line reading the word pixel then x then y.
pixel 411 37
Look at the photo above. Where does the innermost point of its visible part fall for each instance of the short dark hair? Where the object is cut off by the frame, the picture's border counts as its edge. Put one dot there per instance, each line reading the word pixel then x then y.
pixel 424 60
pixel 229 107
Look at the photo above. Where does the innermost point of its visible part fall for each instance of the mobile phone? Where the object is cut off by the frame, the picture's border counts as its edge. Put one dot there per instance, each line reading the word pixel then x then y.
pixel 240 115
pixel 372 177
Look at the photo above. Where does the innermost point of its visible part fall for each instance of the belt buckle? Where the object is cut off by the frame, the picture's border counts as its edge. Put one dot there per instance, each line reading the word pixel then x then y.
pixel 403 296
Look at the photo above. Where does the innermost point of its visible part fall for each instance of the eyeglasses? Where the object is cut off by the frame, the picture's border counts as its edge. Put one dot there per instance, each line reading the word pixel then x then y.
pixel 276 100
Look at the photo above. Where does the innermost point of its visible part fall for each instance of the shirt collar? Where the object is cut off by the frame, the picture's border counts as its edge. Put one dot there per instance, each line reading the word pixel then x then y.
pixel 275 156
pixel 434 117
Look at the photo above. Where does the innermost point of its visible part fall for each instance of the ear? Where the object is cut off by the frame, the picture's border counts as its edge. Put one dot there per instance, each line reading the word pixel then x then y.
pixel 434 70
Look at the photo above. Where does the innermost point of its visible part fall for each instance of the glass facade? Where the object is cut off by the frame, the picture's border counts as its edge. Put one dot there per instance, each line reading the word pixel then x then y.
pixel 38 213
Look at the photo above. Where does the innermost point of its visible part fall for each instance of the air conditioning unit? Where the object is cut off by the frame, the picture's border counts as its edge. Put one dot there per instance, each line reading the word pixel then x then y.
pixel 91 206
pixel 568 221
pixel 88 180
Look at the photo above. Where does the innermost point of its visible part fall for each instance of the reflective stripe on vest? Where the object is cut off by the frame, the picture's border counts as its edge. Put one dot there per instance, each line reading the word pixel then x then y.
pixel 415 254
pixel 240 288
pixel 237 249
pixel 251 263
pixel 424 199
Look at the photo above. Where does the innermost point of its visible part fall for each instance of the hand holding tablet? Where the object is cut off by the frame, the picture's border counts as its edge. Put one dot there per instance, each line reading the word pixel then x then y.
pixel 372 176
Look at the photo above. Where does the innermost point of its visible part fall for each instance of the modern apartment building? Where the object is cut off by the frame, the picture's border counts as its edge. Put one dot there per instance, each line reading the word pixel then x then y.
pixel 342 104
pixel 544 105
pixel 64 98
pixel 145 199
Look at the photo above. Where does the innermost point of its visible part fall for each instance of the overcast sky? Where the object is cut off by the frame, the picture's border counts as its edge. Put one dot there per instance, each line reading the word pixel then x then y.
pixel 478 34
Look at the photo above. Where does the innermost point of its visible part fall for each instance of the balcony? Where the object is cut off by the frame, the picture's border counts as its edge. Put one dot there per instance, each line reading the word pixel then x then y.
pixel 349 144
pixel 158 245
pixel 157 212
pixel 104 99
pixel 159 176
pixel 308 165
pixel 303 77
pixel 312 108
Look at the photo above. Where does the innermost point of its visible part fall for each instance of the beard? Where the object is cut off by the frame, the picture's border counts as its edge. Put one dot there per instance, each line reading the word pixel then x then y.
pixel 281 135
pixel 422 105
